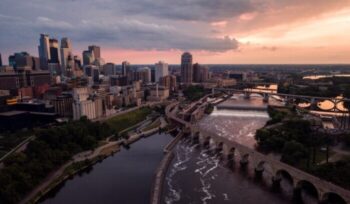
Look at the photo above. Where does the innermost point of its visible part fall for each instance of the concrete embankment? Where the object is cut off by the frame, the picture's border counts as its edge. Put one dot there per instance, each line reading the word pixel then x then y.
pixel 156 193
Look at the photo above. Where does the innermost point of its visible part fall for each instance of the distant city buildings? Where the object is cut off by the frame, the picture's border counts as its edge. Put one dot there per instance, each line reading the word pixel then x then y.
pixel 88 57
pixel 67 58
pixel 161 70
pixel 200 73
pixel 54 51
pixel 0 60
pixel 44 51
pixel 23 61
pixel 186 68
pixel 96 50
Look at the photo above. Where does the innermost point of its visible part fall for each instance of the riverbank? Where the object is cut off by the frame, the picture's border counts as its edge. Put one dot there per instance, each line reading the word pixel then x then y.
pixel 87 159
pixel 70 169
pixel 161 171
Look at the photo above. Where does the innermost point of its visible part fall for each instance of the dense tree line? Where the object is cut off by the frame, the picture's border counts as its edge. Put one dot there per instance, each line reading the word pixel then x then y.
pixel 335 86
pixel 194 93
pixel 51 148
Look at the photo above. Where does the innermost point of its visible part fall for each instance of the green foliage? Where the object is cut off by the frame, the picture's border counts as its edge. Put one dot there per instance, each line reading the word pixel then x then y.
pixel 52 148
pixel 124 121
pixel 292 135
pixel 293 152
pixel 194 93
pixel 337 172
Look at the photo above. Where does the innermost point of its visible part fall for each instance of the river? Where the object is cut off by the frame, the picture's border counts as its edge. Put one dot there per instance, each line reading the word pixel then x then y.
pixel 124 178
pixel 197 176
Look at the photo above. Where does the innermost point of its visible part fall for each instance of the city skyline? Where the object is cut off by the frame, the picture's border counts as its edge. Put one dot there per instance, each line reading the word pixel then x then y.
pixel 220 32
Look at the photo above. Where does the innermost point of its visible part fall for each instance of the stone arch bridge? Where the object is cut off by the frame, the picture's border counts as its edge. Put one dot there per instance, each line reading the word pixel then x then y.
pixel 289 98
pixel 228 148
pixel 257 160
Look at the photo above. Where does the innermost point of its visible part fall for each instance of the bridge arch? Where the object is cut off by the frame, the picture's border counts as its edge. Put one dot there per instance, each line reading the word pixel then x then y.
pixel 231 154
pixel 332 198
pixel 266 167
pixel 285 174
pixel 308 187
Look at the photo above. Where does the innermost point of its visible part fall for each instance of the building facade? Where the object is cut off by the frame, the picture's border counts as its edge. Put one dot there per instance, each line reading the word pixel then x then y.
pixel 186 68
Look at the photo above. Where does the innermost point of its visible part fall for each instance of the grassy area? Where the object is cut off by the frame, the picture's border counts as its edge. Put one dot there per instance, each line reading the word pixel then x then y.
pixel 124 121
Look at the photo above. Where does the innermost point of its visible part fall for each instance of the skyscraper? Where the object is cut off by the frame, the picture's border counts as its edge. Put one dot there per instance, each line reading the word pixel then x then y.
pixel 67 62
pixel 44 51
pixel 54 51
pixel 88 57
pixel 96 50
pixel 161 70
pixel 186 68
pixel 126 71
pixel 0 60
pixel 204 74
pixel 197 73
pixel 125 68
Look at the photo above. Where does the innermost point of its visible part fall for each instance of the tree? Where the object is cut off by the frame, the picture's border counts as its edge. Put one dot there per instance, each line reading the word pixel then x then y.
pixel 293 152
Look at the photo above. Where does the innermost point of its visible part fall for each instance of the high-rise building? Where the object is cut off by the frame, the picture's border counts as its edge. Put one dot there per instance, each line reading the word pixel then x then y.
pixel 125 68
pixel 0 60
pixel 169 82
pixel 161 70
pixel 44 51
pixel 88 57
pixel 96 50
pixel 144 75
pixel 67 61
pixel 127 71
pixel 54 51
pixel 197 73
pixel 186 68
pixel 77 62
pixel 24 61
pixel 204 74
pixel 109 69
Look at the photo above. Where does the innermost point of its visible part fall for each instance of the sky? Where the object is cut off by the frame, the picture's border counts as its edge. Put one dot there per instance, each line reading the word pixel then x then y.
pixel 214 31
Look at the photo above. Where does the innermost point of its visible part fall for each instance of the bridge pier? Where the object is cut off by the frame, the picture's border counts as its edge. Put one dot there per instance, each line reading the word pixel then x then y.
pixel 246 95
pixel 266 98
pixel 258 172
pixel 276 182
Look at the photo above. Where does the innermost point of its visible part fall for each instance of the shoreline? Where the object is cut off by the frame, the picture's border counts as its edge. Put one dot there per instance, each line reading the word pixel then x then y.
pixel 160 174
pixel 60 175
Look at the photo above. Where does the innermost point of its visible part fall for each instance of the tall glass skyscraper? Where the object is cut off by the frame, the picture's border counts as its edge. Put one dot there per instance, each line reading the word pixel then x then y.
pixel 186 68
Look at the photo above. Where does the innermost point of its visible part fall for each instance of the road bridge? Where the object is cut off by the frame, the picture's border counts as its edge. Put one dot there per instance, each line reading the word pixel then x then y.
pixel 289 98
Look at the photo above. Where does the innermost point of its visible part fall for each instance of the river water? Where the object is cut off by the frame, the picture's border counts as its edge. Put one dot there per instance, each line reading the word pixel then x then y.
pixel 197 176
pixel 123 178
pixel 194 176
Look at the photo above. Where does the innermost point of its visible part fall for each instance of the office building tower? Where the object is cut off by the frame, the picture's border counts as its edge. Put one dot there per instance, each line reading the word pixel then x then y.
pixel 67 62
pixel 197 73
pixel 54 51
pixel 186 68
pixel 127 71
pixel 144 75
pixel 96 50
pixel 204 74
pixel 88 57
pixel 125 68
pixel 109 69
pixel 161 70
pixel 44 51
pixel 77 62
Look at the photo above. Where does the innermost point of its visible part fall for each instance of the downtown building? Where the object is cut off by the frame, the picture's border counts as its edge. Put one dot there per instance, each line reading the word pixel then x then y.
pixel 186 68
pixel 161 70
